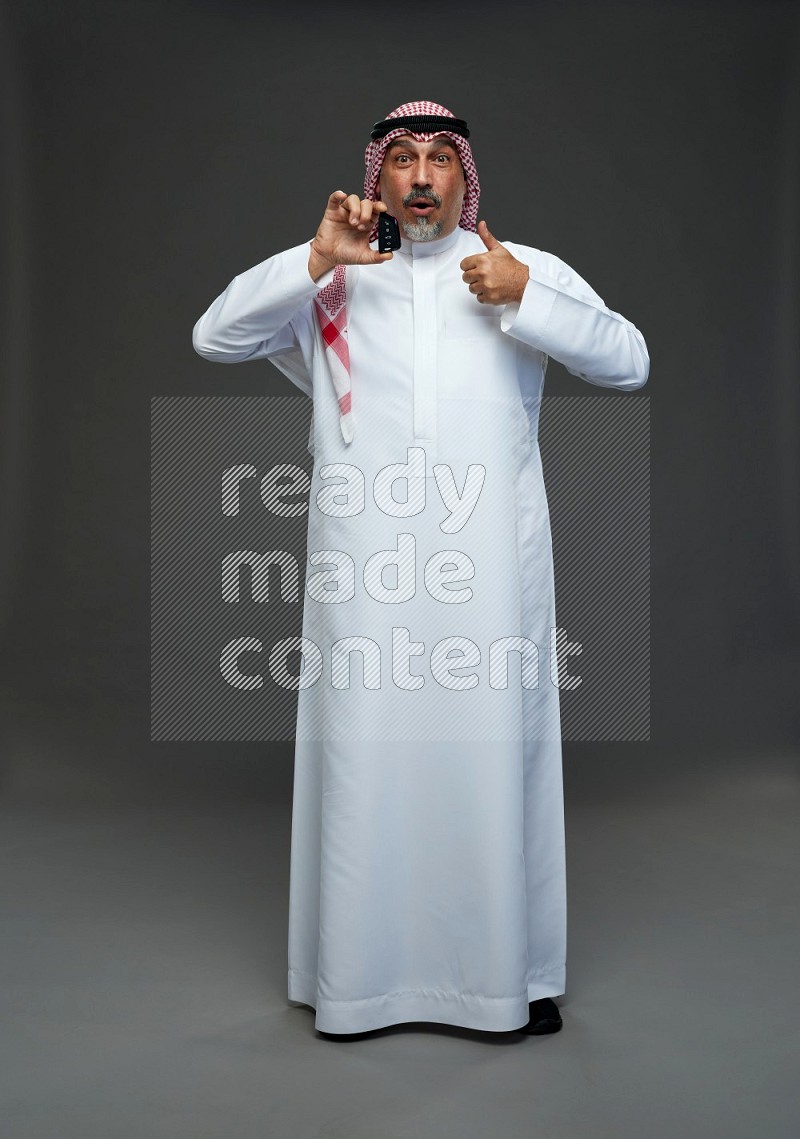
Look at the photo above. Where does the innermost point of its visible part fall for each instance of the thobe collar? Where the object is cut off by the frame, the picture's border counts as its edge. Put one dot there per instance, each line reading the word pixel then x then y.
pixel 416 249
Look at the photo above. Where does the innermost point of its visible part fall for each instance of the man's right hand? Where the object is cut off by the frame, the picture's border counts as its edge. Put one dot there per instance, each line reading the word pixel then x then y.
pixel 343 234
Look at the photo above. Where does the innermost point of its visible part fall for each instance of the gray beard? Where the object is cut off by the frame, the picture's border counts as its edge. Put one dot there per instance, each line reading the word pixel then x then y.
pixel 422 229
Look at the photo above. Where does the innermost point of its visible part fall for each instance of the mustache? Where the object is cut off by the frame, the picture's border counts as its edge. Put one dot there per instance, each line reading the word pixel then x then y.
pixel 425 195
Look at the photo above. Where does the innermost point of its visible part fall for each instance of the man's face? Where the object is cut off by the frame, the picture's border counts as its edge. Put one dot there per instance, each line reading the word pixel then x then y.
pixel 423 186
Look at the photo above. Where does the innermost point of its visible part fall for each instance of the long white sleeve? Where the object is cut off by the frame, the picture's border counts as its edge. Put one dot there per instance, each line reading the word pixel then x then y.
pixel 251 318
pixel 562 316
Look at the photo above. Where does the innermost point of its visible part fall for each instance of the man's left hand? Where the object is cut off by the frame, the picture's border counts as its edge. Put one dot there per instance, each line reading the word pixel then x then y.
pixel 495 277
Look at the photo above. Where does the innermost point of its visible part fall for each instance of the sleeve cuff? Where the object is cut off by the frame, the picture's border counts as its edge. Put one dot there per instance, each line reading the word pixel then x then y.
pixel 322 281
pixel 296 281
pixel 528 319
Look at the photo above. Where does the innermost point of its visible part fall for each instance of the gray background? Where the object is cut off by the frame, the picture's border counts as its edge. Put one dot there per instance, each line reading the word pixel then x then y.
pixel 152 151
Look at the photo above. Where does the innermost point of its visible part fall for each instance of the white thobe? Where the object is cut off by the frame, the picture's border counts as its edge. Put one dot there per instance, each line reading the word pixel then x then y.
pixel 427 875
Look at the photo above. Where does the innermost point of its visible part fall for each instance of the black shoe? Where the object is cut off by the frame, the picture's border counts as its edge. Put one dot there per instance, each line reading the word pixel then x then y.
pixel 346 1035
pixel 544 1018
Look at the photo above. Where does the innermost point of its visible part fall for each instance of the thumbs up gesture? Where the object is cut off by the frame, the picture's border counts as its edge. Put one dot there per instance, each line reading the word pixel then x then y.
pixel 495 277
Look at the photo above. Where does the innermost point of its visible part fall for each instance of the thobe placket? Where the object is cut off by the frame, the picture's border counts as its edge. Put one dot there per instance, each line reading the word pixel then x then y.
pixel 423 271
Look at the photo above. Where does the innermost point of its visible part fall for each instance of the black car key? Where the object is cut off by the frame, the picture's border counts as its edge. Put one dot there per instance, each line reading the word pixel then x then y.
pixel 388 233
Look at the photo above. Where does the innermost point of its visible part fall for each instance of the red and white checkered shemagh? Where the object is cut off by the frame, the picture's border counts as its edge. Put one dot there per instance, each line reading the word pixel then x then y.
pixel 331 302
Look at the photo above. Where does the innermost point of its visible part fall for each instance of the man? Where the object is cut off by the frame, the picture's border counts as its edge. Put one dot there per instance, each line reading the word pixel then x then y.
pixel 427 864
